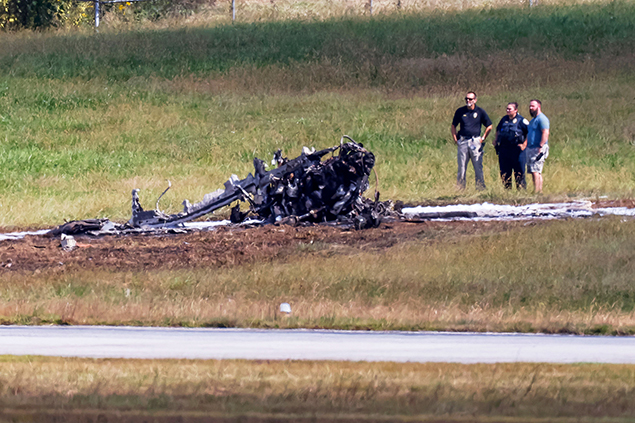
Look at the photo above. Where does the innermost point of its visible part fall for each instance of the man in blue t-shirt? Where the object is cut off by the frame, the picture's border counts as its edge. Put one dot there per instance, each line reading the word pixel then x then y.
pixel 537 143
pixel 468 139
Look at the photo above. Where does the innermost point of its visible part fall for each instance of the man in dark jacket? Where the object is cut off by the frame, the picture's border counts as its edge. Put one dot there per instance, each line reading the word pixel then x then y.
pixel 510 142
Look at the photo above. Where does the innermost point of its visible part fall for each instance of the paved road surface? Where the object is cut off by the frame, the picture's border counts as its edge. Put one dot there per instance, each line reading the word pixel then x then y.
pixel 129 342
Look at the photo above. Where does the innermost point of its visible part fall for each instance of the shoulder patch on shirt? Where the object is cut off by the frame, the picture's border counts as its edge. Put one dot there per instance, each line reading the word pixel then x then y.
pixel 525 121
pixel 515 120
pixel 475 115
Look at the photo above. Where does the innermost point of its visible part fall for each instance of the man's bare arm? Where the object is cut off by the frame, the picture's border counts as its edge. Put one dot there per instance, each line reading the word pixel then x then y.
pixel 545 137
pixel 487 131
pixel 453 130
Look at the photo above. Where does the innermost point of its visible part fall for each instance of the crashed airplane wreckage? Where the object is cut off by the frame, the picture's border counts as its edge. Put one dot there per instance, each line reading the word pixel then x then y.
pixel 304 189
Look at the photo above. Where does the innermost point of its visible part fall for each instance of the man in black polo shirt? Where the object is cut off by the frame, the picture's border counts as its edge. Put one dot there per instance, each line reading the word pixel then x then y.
pixel 468 140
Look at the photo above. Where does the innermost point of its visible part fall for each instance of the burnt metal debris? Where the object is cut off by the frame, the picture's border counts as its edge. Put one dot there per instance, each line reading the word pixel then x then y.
pixel 304 189
pixel 311 188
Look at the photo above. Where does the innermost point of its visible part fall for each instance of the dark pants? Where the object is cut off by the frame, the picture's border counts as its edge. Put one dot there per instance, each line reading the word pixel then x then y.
pixel 512 161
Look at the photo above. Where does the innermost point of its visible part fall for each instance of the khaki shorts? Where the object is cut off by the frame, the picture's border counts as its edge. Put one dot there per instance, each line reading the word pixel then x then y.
pixel 533 165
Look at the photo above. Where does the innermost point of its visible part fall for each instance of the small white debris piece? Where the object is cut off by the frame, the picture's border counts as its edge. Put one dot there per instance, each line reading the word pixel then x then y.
pixel 285 308
pixel 187 206
pixel 127 292
pixel 108 227
pixel 306 150
pixel 233 180
pixel 68 243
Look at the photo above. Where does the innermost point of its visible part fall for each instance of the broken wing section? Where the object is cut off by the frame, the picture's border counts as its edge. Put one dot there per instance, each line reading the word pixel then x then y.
pixel 253 189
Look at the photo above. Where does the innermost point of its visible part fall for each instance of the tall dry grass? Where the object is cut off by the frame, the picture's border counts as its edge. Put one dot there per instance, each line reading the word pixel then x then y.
pixel 322 390
pixel 252 11
pixel 573 277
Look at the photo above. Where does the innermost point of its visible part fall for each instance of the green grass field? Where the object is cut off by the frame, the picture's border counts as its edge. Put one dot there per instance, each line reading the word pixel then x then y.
pixel 85 118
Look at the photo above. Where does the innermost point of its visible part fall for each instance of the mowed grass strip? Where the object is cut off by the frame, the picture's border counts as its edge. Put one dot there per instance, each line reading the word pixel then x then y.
pixel 552 277
pixel 319 389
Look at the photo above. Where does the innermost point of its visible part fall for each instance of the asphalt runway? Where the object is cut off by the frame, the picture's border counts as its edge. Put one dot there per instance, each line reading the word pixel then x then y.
pixel 131 342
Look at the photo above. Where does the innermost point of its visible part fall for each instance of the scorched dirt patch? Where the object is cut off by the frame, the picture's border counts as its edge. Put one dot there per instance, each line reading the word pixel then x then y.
pixel 225 246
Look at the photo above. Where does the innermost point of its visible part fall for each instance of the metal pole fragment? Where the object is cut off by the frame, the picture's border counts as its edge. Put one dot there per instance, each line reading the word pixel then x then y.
pixel 233 10
pixel 371 7
pixel 96 14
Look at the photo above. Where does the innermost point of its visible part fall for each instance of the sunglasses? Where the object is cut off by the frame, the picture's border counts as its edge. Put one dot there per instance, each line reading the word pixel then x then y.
pixel 470 99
